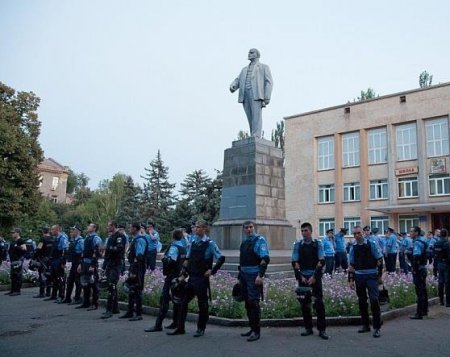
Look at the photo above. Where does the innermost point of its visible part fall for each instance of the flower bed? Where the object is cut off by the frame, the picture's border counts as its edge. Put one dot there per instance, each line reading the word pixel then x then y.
pixel 280 300
pixel 28 275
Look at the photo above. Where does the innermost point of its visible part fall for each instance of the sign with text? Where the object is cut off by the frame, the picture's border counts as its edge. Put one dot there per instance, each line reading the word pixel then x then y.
pixel 406 171
pixel 438 166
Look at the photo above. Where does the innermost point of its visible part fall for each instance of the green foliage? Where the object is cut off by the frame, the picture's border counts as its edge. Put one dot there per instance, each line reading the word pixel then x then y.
pixel 158 198
pixel 368 94
pixel 20 153
pixel 425 79
pixel 129 206
pixel 278 135
pixel 242 134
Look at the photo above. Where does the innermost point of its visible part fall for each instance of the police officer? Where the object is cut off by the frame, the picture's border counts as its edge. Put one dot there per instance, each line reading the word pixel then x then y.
pixel 17 251
pixel 152 247
pixel 75 252
pixel 121 227
pixel 364 275
pixel 58 262
pixel 172 265
pixel 329 252
pixel 419 271
pixel 112 264
pixel 88 268
pixel 199 261
pixel 441 257
pixel 341 260
pixel 308 262
pixel 253 261
pixel 390 251
pixel 44 251
pixel 135 281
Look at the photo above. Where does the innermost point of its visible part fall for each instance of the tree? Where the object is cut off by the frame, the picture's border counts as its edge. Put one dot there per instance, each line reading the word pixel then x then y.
pixel 202 195
pixel 278 135
pixel 130 203
pixel 425 79
pixel 369 94
pixel 242 134
pixel 20 153
pixel 157 196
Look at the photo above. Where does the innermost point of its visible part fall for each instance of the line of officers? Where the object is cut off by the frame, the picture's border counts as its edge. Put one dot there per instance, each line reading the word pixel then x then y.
pixel 188 266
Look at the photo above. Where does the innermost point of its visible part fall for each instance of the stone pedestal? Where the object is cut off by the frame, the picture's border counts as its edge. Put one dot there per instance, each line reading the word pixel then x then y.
pixel 253 189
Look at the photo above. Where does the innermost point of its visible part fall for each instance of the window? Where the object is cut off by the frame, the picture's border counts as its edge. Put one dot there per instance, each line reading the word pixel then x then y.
pixel 407 187
pixel 406 222
pixel 55 182
pixel 406 142
pixel 350 149
pixel 54 199
pixel 326 153
pixel 351 222
pixel 439 185
pixel 378 190
pixel 377 146
pixel 352 192
pixel 41 178
pixel 326 193
pixel 380 222
pixel 324 225
pixel 437 137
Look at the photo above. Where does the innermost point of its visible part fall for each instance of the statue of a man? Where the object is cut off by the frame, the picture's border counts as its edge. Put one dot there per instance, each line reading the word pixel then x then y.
pixel 255 87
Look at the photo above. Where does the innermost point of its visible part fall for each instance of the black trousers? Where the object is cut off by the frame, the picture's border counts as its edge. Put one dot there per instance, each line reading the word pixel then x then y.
pixel 135 294
pixel 112 274
pixel 73 280
pixel 58 278
pixel 196 287
pixel 164 302
pixel 368 283
pixel 16 277
pixel 419 279
pixel 316 299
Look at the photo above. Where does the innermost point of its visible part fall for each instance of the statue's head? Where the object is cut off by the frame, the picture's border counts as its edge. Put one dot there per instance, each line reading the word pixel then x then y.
pixel 253 53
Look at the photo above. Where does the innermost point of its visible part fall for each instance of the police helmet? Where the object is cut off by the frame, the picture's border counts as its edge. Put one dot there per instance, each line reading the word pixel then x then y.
pixel 237 292
pixel 177 290
pixel 103 283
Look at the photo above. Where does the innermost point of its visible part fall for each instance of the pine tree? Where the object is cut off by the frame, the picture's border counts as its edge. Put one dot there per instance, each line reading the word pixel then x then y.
pixel 129 206
pixel 158 198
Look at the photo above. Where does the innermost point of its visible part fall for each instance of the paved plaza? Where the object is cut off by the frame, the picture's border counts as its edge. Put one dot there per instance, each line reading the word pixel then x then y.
pixel 31 327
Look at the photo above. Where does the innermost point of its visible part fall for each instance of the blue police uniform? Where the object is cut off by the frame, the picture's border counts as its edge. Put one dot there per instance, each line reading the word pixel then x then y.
pixel 309 255
pixel 57 265
pixel 340 252
pixel 405 247
pixel 75 252
pixel 253 260
pixel 172 265
pixel 152 249
pixel 136 258
pixel 419 271
pixel 200 256
pixel 329 252
pixel 441 257
pixel 391 252
pixel 114 254
pixel 367 261
pixel 89 261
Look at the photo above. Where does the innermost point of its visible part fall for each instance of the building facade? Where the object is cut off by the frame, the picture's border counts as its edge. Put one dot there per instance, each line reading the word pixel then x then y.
pixel 53 180
pixel 383 162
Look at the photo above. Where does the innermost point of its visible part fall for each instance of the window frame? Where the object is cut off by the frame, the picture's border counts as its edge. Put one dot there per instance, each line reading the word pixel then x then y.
pixel 351 149
pixel 411 146
pixel 379 151
pixel 408 180
pixel 442 142
pixel 331 193
pixel 356 186
pixel 326 224
pixel 383 183
pixel 435 179
pixel 328 143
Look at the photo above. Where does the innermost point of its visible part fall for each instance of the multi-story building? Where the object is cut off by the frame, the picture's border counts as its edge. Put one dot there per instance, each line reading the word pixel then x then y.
pixel 382 162
pixel 53 180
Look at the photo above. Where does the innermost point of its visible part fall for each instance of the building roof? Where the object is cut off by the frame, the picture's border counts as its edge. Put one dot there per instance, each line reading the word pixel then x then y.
pixel 52 165
pixel 350 104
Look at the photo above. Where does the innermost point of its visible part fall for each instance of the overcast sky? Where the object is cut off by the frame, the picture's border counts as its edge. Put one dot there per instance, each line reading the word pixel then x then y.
pixel 119 80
